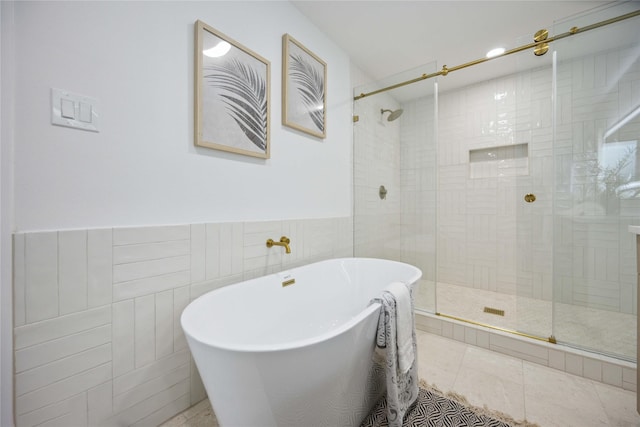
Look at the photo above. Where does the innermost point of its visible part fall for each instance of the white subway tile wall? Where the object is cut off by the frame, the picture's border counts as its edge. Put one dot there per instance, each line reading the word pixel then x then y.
pixel 376 154
pixel 488 238
pixel 97 329
pixel 478 235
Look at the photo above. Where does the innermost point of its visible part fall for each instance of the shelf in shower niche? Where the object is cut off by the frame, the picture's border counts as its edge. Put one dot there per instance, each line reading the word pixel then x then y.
pixel 506 160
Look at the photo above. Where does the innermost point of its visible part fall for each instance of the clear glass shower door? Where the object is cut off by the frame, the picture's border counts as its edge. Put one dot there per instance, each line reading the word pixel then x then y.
pixel 597 188
pixel 533 194
pixel 395 167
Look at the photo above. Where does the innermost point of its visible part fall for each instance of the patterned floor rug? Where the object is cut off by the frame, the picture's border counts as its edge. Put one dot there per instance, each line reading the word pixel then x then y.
pixel 435 409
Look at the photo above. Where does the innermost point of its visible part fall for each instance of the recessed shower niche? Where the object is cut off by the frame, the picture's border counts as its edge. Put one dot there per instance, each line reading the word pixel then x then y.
pixel 506 160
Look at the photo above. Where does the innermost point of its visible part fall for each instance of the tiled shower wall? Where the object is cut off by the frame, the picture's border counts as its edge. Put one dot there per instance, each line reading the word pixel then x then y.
pixel 376 153
pixel 402 226
pixel 418 174
pixel 595 262
pixel 488 237
pixel 97 331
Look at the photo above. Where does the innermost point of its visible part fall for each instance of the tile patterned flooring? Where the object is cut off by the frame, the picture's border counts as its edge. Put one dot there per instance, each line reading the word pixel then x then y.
pixel 546 396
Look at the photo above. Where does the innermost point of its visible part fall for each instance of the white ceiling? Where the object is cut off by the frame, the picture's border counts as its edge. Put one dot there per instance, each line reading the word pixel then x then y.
pixel 384 38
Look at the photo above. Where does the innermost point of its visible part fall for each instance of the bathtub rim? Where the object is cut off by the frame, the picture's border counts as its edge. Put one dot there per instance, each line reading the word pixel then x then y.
pixel 301 343
pixel 292 345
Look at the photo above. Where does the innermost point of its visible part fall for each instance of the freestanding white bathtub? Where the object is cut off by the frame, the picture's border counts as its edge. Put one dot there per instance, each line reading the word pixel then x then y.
pixel 275 353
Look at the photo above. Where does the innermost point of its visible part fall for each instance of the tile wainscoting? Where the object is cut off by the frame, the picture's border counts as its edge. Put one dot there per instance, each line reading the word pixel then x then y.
pixel 97 337
pixel 97 328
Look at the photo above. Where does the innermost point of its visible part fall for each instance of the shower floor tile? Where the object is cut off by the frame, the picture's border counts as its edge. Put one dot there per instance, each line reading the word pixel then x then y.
pixel 589 328
pixel 519 388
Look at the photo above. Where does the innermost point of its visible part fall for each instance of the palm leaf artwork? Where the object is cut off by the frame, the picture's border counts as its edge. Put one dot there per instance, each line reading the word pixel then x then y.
pixel 310 87
pixel 244 93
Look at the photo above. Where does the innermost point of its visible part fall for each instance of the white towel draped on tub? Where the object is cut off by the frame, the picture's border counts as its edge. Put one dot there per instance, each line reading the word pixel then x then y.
pixel 396 335
pixel 404 325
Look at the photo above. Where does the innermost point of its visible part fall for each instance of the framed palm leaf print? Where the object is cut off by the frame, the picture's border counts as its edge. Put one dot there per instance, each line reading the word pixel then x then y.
pixel 231 95
pixel 304 89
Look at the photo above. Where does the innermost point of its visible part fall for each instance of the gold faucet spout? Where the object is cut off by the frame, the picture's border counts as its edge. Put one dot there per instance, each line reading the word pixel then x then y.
pixel 284 242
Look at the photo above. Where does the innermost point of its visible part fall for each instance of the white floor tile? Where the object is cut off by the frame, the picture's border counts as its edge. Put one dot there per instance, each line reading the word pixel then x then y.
pixel 492 379
pixel 546 396
pixel 619 405
pixel 555 398
pixel 439 359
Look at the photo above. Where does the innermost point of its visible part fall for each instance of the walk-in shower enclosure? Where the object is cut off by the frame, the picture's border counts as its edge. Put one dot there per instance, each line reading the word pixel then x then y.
pixel 514 194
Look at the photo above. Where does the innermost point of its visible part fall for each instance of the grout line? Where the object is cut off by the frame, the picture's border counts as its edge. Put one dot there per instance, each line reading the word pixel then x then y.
pixel 459 368
pixel 159 258
pixel 58 270
pixel 111 304
pixel 150 277
pixel 24 286
pixel 61 338
pixel 524 391
pixel 155 326
pixel 59 381
pixel 133 321
pixel 149 261
pixel 188 393
pixel 86 269
pixel 69 356
pixel 149 242
pixel 158 376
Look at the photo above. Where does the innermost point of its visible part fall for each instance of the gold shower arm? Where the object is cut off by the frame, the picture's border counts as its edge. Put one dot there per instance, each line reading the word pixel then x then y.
pixel 539 42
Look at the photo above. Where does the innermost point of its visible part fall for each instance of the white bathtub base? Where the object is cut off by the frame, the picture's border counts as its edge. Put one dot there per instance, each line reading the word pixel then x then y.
pixel 325 394
pixel 295 348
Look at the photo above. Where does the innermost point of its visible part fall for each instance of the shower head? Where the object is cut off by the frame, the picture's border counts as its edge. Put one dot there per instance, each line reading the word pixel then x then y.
pixel 394 114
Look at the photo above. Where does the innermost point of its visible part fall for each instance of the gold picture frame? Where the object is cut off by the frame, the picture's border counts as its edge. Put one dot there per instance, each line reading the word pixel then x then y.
pixel 304 89
pixel 232 95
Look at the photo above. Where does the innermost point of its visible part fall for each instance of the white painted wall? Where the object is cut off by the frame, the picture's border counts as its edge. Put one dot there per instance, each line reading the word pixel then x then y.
pixel 142 168
pixel 6 214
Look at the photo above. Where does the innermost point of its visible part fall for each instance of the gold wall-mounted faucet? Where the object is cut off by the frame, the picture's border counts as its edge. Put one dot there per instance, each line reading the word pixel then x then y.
pixel 284 242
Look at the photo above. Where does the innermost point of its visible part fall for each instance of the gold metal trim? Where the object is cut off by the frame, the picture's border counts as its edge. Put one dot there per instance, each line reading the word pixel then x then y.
pixel 288 282
pixel 541 49
pixel 535 45
pixel 529 197
pixel 550 339
pixel 541 35
pixel 356 119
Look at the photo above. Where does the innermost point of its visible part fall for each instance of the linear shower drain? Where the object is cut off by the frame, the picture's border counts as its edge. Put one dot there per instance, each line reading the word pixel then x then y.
pixel 494 311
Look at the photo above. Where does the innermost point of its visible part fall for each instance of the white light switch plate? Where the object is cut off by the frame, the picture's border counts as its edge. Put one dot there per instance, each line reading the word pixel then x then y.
pixel 74 110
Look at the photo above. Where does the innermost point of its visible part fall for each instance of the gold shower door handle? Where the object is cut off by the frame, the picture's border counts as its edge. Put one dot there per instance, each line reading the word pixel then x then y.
pixel 529 197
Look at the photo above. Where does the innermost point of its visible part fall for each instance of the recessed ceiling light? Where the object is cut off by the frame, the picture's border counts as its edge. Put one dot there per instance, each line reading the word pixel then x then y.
pixel 495 52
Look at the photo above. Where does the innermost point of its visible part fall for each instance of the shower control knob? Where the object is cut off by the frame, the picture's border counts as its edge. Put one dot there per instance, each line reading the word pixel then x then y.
pixel 529 198
pixel 382 192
